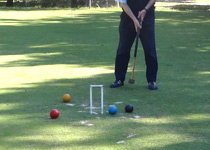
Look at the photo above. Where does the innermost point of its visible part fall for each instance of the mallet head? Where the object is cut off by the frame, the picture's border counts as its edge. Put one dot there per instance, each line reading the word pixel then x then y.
pixel 131 81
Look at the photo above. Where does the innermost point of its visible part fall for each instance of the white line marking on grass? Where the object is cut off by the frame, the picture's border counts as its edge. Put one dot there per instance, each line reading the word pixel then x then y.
pixel 83 105
pixel 120 142
pixel 89 124
pixel 85 122
pixel 131 135
pixel 81 111
pixel 70 104
pixel 137 117
pixel 95 113
pixel 93 107
pixel 118 102
pixel 123 117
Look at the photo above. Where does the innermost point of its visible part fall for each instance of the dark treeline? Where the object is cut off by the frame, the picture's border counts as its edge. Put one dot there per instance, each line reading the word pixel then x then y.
pixel 59 3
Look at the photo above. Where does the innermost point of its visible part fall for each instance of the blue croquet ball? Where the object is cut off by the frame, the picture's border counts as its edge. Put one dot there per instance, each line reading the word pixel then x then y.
pixel 112 110
pixel 129 108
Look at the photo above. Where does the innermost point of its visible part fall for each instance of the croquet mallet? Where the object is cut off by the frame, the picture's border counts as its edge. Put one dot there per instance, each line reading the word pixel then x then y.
pixel 131 80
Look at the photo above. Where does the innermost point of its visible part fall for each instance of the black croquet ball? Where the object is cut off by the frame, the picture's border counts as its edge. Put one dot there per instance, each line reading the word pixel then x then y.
pixel 129 108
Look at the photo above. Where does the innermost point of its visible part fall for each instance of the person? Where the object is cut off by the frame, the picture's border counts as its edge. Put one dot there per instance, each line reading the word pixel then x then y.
pixel 129 24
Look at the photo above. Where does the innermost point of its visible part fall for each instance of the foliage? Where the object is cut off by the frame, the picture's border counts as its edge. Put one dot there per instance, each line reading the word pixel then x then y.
pixel 61 3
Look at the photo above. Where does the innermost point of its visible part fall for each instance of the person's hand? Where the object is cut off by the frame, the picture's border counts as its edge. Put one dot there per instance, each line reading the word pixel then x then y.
pixel 141 15
pixel 137 24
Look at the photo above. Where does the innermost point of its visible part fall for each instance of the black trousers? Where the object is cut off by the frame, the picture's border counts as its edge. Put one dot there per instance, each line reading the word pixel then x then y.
pixel 127 34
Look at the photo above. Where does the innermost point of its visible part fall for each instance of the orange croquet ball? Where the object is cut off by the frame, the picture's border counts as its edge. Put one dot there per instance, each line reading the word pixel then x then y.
pixel 66 98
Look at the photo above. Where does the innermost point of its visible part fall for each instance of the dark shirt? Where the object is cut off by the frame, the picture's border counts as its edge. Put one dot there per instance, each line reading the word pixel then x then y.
pixel 138 5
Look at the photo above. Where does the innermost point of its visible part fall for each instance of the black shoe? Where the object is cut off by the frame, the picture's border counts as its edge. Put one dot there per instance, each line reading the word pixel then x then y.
pixel 117 84
pixel 152 86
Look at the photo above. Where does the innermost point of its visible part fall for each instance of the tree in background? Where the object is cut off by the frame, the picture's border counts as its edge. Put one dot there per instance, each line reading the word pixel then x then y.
pixel 9 3
pixel 60 3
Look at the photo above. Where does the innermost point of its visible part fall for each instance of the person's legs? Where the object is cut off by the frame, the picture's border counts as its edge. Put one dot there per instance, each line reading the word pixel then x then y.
pixel 127 35
pixel 123 55
pixel 148 41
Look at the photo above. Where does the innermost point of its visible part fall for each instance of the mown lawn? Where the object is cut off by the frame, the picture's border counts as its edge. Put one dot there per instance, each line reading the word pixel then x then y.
pixel 47 53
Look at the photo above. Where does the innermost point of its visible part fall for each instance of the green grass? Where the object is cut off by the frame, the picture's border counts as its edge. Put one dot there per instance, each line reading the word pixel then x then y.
pixel 47 53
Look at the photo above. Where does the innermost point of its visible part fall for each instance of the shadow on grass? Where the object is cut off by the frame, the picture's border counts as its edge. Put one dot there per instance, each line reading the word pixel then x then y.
pixel 167 121
pixel 68 41
pixel 183 49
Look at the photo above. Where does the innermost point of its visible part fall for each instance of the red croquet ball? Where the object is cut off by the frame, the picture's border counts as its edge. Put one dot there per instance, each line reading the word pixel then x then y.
pixel 54 114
